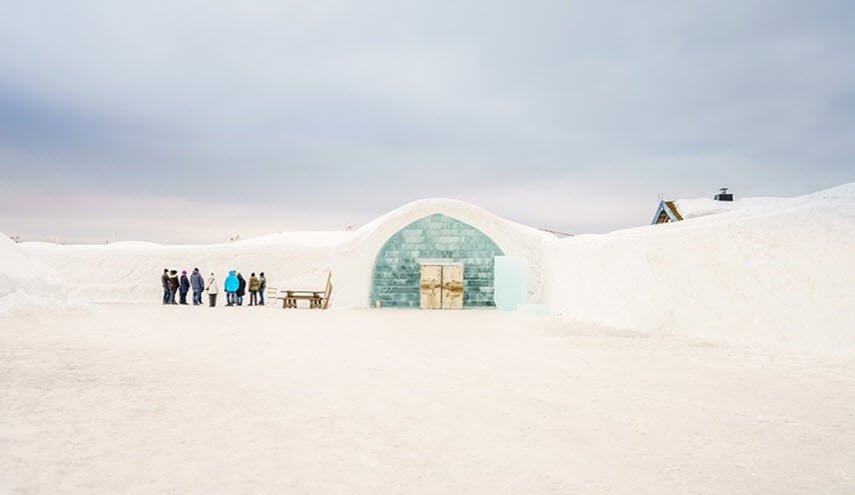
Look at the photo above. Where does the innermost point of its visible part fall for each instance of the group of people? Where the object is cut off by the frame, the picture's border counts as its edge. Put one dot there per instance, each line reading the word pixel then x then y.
pixel 235 287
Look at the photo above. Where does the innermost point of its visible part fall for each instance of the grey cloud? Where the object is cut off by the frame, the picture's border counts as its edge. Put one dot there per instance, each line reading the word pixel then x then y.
pixel 363 105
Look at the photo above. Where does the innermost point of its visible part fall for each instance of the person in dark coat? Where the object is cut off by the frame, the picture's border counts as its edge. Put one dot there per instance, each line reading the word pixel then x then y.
pixel 173 286
pixel 241 291
pixel 262 287
pixel 197 283
pixel 184 286
pixel 164 282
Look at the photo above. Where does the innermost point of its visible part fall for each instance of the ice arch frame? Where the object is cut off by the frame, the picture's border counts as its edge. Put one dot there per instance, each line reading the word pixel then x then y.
pixel 395 276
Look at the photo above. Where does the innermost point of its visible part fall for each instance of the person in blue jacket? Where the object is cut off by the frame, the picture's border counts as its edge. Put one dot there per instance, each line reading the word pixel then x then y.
pixel 197 283
pixel 231 286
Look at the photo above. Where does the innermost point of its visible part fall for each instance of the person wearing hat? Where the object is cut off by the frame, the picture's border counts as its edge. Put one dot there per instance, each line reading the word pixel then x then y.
pixel 184 287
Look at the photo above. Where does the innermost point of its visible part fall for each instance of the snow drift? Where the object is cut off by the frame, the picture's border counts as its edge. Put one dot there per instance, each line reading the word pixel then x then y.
pixel 25 282
pixel 701 207
pixel 779 272
pixel 130 271
pixel 763 270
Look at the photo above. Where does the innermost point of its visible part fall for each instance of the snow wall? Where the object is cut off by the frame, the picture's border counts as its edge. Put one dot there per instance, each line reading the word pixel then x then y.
pixel 130 271
pixel 782 272
pixel 25 282
pixel 771 271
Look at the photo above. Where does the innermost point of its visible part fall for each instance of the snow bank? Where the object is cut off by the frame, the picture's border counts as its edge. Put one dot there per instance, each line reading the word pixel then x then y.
pixel 130 271
pixel 701 207
pixel 771 270
pixel 26 283
pixel 775 272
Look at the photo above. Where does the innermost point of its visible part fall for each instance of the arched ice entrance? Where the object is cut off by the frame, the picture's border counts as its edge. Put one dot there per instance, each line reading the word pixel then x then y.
pixel 396 272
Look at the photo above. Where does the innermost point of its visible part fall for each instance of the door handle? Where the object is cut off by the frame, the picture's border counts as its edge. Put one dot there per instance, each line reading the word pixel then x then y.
pixel 454 287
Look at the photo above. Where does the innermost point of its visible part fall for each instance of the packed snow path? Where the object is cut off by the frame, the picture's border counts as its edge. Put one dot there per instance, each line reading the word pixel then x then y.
pixel 152 399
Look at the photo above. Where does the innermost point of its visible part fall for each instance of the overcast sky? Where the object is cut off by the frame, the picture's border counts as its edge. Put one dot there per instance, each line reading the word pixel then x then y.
pixel 192 121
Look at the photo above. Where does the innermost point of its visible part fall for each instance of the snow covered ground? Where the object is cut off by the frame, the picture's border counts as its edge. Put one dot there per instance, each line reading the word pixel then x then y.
pixel 26 283
pixel 713 355
pixel 152 399
pixel 773 272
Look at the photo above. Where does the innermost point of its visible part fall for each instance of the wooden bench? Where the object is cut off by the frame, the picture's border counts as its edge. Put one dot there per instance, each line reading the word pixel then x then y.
pixel 317 299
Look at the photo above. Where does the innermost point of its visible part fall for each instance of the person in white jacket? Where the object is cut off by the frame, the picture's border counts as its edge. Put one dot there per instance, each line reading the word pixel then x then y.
pixel 212 290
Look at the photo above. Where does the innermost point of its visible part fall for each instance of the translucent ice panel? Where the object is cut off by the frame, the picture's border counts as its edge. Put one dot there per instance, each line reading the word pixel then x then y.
pixel 510 282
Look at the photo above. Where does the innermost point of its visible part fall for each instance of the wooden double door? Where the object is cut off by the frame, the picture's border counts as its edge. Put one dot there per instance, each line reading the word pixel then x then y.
pixel 441 286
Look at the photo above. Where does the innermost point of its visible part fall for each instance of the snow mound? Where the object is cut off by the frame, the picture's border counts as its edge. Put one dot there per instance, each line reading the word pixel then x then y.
pixel 777 272
pixel 130 271
pixel 310 238
pixel 26 283
pixel 701 207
